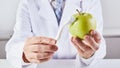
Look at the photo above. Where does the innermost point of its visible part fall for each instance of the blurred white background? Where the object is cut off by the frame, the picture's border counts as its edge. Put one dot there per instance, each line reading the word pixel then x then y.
pixel 7 20
pixel 111 15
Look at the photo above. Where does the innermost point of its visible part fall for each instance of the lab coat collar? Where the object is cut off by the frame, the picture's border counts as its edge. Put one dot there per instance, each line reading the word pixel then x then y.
pixel 69 10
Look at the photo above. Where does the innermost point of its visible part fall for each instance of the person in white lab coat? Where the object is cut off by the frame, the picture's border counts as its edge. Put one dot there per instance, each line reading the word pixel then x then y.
pixel 37 25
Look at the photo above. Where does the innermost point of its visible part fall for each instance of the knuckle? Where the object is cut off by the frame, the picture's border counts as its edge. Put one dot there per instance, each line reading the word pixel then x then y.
pixel 73 39
pixel 41 48
pixel 97 47
pixel 99 39
pixel 52 41
pixel 37 47
pixel 76 42
pixel 48 58
pixel 46 54
pixel 37 56
pixel 91 41
pixel 38 61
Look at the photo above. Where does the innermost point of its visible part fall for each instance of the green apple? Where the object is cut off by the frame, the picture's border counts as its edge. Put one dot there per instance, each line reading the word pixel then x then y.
pixel 83 23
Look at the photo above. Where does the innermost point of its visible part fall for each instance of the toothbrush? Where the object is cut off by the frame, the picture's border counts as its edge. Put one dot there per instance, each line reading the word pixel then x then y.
pixel 58 36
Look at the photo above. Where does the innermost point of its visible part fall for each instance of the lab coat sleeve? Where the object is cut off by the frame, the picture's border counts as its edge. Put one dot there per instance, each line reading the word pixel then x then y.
pixel 94 7
pixel 22 30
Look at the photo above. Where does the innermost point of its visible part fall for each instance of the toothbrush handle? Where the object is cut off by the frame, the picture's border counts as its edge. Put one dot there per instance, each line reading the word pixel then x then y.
pixel 60 32
pixel 61 29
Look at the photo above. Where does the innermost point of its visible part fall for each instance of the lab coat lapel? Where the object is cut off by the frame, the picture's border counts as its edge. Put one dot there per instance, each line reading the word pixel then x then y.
pixel 47 18
pixel 45 4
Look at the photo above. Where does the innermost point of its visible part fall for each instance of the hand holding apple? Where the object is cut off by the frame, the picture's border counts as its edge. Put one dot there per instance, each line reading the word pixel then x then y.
pixel 89 45
pixel 85 38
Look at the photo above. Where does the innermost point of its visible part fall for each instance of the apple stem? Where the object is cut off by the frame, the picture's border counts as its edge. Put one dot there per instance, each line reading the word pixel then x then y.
pixel 78 11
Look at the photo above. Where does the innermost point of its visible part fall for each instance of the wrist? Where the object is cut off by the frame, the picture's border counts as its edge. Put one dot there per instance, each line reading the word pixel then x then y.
pixel 87 56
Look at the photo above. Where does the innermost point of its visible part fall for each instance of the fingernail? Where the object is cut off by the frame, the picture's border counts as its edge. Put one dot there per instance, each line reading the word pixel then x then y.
pixel 86 37
pixel 74 39
pixel 52 41
pixel 94 32
pixel 71 38
pixel 54 48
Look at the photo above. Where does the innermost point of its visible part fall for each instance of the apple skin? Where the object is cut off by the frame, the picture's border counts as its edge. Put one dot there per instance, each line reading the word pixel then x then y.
pixel 84 22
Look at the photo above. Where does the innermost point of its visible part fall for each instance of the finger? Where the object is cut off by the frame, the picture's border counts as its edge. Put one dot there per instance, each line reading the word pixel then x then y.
pixel 85 54
pixel 42 40
pixel 76 41
pixel 38 55
pixel 43 48
pixel 44 60
pixel 89 41
pixel 77 47
pixel 42 55
pixel 96 36
pixel 39 60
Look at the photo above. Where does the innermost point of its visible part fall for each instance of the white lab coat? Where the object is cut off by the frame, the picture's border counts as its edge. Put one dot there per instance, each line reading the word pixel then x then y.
pixel 37 18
